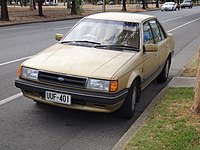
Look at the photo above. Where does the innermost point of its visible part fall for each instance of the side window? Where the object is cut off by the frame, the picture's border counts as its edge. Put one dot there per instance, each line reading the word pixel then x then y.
pixel 162 32
pixel 156 31
pixel 147 34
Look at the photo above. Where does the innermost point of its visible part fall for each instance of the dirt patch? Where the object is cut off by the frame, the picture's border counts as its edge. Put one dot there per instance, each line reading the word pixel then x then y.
pixel 19 14
pixel 191 68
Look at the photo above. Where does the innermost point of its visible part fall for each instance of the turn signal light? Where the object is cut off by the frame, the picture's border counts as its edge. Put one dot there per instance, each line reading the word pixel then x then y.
pixel 113 86
pixel 19 71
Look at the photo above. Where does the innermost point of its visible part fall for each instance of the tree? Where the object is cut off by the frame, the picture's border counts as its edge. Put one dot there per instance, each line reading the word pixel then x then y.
pixel 40 2
pixel 73 9
pixel 143 4
pixel 196 103
pixel 178 3
pixel 146 4
pixel 157 3
pixel 123 5
pixel 4 10
pixel 32 4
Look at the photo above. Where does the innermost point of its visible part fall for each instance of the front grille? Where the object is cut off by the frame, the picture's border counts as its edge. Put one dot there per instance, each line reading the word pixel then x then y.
pixel 60 79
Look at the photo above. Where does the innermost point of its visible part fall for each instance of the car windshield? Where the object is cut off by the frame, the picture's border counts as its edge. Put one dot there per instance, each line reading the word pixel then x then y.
pixel 169 3
pixel 104 33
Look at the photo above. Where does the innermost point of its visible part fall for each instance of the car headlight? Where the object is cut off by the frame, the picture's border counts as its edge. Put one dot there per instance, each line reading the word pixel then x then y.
pixel 28 73
pixel 102 85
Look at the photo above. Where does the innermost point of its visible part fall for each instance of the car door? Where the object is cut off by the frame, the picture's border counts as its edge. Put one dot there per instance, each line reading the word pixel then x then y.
pixel 161 40
pixel 151 62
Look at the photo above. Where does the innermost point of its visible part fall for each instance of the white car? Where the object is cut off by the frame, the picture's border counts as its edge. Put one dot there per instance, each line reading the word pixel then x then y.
pixel 169 6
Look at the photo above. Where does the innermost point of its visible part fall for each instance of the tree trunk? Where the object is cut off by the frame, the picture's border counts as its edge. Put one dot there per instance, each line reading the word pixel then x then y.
pixel 143 4
pixel 31 5
pixel 73 9
pixel 157 3
pixel 34 6
pixel 40 8
pixel 196 104
pixel 124 5
pixel 146 4
pixel 178 3
pixel 4 11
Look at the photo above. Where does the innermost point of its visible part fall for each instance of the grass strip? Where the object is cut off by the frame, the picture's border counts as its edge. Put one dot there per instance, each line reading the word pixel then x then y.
pixel 171 126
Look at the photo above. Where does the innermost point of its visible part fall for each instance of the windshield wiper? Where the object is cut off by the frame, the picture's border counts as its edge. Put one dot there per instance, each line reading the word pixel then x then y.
pixel 80 42
pixel 117 47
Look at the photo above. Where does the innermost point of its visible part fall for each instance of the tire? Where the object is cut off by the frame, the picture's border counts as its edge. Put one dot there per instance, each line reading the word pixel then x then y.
pixel 162 77
pixel 128 108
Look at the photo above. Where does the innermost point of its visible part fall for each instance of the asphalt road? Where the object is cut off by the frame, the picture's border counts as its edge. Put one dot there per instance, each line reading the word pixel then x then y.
pixel 26 125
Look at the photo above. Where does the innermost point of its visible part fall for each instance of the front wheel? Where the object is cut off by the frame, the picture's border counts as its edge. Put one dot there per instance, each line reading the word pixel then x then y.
pixel 162 77
pixel 128 107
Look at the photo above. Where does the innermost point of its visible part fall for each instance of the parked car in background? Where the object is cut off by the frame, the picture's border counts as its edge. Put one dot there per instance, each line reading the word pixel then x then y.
pixel 100 65
pixel 100 2
pixel 186 3
pixel 50 3
pixel 169 6
pixel 111 3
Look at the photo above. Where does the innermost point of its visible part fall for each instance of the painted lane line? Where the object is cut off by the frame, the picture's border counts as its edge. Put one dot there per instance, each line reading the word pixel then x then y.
pixel 13 61
pixel 62 28
pixel 171 19
pixel 183 25
pixel 11 98
pixel 178 17
pixel 17 28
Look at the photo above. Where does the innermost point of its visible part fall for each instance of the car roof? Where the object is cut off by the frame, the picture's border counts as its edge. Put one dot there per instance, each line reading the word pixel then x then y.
pixel 121 16
pixel 169 3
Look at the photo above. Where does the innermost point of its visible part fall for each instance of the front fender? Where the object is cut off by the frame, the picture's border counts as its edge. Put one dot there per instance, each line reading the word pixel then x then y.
pixel 171 41
pixel 132 77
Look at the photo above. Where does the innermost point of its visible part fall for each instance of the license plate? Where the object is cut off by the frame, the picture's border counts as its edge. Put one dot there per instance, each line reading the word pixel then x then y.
pixel 58 97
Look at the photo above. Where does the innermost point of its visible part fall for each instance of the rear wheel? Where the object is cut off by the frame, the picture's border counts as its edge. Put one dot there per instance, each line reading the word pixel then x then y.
pixel 162 77
pixel 128 108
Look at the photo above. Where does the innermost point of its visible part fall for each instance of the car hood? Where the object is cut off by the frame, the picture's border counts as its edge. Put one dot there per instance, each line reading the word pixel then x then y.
pixel 81 61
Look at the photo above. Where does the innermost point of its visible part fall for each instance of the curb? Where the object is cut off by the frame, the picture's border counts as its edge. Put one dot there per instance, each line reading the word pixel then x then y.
pixel 40 21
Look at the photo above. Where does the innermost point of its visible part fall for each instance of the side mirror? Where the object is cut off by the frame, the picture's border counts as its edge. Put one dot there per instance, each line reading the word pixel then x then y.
pixel 58 37
pixel 150 48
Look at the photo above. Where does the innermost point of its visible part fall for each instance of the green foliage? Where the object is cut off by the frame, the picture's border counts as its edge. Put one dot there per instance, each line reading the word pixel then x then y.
pixel 78 6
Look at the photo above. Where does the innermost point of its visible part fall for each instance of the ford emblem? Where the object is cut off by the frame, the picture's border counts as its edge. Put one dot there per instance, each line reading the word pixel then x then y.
pixel 61 79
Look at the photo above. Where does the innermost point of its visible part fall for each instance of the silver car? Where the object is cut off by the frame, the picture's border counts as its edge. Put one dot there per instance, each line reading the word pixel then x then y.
pixel 186 3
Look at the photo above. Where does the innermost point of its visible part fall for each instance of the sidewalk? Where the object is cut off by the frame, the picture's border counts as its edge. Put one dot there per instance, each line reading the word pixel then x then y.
pixel 182 82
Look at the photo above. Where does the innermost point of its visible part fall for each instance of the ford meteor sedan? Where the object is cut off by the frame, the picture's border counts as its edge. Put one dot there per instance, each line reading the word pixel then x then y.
pixel 100 65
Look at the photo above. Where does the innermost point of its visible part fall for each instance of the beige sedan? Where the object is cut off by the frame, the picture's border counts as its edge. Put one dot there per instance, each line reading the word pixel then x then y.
pixel 100 65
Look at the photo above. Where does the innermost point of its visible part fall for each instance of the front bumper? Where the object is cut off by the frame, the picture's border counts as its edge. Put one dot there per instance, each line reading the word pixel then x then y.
pixel 81 99
pixel 166 8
